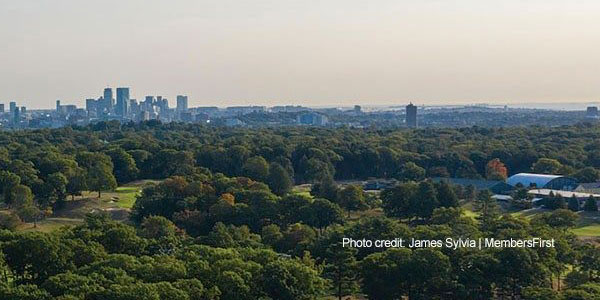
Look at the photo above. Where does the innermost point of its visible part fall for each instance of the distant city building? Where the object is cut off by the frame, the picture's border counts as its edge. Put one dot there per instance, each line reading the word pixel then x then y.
pixel 2 108
pixel 91 105
pixel 357 109
pixel 23 110
pixel 289 108
pixel 57 106
pixel 411 116
pixel 134 107
pixel 244 110
pixel 16 116
pixel 312 118
pixel 12 107
pixel 592 112
pixel 182 103
pixel 121 108
pixel 108 99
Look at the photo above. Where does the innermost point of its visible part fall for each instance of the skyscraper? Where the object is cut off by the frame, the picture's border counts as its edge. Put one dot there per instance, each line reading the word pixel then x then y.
pixel 108 99
pixel 16 115
pixel 411 115
pixel 12 107
pixel 57 105
pixel 1 108
pixel 122 101
pixel 182 103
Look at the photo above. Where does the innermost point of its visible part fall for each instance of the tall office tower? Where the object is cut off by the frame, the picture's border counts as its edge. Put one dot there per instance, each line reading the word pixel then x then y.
pixel 163 104
pixel 411 115
pixel 16 116
pixel 57 105
pixel 149 100
pixel 90 105
pixel 23 110
pixel 13 107
pixel 134 107
pixel 122 101
pixel 182 103
pixel 1 108
pixel 108 99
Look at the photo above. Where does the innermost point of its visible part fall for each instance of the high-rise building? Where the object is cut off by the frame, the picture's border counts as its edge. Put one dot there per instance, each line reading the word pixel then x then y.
pixel 23 110
pixel 91 105
pixel 16 115
pixel 122 101
pixel 108 99
pixel 1 108
pixel 411 115
pixel 57 105
pixel 12 107
pixel 182 103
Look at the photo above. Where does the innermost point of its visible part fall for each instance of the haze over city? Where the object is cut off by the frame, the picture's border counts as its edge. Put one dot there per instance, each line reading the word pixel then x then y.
pixel 301 52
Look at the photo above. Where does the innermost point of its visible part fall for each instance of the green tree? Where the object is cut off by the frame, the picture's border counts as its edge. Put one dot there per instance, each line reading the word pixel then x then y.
pixel 76 184
pixel 411 171
pixel 352 198
pixel 256 168
pixel 487 207
pixel 342 269
pixel 58 185
pixel 573 204
pixel 446 196
pixel 590 204
pixel 386 274
pixel 279 180
pixel 425 200
pixel 398 200
pixel 156 227
pixel 539 293
pixel 124 167
pixel 547 166
pixel 291 279
pixel 322 213
pixel 8 181
pixel 33 256
pixel 99 169
pixel 587 174
pixel 325 188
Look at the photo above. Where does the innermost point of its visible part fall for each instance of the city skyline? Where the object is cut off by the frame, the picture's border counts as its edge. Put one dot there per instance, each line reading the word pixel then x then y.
pixel 304 53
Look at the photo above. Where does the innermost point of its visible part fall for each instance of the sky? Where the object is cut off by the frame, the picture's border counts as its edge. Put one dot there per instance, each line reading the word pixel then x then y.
pixel 305 52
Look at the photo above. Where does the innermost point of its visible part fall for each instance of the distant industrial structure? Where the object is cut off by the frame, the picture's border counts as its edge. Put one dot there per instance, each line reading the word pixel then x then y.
pixel 411 116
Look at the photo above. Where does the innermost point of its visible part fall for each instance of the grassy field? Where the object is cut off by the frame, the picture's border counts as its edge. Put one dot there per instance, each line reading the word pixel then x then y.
pixel 117 203
pixel 588 225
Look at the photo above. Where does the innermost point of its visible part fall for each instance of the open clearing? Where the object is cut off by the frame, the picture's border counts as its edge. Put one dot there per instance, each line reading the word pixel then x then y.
pixel 118 203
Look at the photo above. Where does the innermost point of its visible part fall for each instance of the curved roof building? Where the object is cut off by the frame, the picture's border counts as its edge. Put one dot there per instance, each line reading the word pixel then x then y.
pixel 543 181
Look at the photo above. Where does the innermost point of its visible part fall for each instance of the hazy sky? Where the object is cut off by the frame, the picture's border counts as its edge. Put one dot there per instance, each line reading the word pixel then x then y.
pixel 267 52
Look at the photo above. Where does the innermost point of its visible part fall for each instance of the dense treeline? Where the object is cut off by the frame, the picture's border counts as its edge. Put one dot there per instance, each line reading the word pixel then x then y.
pixel 154 150
pixel 223 223
pixel 206 236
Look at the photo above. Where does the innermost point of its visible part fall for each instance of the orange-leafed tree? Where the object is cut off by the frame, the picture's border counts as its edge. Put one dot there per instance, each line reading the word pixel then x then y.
pixel 496 170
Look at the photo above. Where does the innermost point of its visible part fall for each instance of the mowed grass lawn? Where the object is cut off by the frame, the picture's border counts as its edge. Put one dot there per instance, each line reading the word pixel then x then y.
pixel 587 226
pixel 119 201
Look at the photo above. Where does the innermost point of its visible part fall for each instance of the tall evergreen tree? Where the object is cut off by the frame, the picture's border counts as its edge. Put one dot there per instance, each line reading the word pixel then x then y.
pixel 590 204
